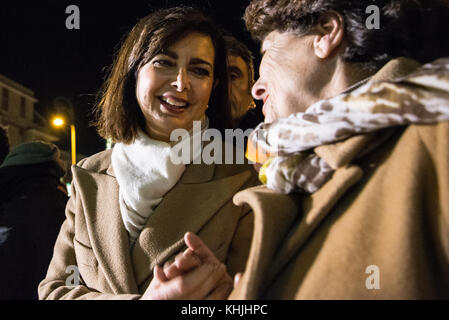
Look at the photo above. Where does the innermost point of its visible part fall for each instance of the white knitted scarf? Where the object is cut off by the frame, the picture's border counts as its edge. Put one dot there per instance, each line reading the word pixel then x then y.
pixel 145 173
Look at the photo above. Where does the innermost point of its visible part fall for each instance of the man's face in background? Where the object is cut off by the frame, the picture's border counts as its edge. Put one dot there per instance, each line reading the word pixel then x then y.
pixel 240 88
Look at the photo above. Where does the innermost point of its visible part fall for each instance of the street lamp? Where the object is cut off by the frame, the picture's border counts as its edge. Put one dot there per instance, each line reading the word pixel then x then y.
pixel 59 122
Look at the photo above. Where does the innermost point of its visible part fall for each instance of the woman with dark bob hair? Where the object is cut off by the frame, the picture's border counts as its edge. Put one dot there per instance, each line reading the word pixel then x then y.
pixel 354 151
pixel 133 208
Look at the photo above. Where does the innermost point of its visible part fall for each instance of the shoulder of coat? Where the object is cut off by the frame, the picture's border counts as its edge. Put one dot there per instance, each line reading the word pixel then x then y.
pixel 99 162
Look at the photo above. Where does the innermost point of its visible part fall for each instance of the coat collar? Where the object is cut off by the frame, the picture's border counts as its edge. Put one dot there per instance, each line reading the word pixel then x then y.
pixel 273 215
pixel 396 68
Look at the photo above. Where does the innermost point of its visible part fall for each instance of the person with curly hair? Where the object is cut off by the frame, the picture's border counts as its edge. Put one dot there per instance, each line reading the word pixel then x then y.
pixel 354 152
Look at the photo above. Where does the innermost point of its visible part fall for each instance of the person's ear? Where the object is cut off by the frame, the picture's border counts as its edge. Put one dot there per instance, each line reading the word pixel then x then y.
pixel 330 33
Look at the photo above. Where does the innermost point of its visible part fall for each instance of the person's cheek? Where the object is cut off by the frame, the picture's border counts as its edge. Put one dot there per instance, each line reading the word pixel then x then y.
pixel 277 105
pixel 204 93
pixel 270 114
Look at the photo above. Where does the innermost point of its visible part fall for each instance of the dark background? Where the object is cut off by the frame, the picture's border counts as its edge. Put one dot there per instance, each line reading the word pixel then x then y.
pixel 39 52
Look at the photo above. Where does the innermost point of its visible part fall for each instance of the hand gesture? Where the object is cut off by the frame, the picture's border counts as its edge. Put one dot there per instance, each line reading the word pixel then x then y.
pixel 194 274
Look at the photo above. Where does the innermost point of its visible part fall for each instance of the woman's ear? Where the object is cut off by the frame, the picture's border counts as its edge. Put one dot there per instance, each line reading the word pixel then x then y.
pixel 330 32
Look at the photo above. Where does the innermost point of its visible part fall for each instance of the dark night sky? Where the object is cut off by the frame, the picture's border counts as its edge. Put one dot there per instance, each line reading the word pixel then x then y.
pixel 38 51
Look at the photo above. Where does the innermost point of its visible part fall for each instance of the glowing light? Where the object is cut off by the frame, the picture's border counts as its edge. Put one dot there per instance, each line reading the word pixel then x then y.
pixel 58 122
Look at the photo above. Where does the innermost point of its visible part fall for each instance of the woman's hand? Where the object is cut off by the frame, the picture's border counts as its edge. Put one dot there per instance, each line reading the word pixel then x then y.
pixel 204 282
pixel 195 274
pixel 184 262
pixel 197 247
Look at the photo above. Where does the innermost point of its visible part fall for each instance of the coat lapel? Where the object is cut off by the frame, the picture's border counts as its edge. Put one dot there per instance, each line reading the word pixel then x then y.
pixel 273 215
pixel 163 234
pixel 316 208
pixel 106 231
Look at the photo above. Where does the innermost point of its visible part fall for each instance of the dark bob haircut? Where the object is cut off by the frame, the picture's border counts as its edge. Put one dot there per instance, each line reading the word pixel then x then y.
pixel 409 28
pixel 118 115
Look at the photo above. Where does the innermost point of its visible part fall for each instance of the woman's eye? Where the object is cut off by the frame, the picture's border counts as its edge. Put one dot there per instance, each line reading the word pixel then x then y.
pixel 234 76
pixel 163 63
pixel 201 71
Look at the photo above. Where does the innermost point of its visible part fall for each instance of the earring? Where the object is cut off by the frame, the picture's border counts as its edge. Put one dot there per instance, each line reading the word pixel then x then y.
pixel 252 105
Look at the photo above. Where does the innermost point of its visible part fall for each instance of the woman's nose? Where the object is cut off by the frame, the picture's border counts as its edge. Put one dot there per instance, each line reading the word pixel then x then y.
pixel 182 81
pixel 258 91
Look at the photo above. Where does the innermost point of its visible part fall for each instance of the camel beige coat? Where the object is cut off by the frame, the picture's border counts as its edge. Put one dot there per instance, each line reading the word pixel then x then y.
pixel 379 229
pixel 94 240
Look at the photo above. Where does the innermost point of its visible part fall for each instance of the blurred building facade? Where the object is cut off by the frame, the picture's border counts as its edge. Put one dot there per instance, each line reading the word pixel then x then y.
pixel 25 124
pixel 18 115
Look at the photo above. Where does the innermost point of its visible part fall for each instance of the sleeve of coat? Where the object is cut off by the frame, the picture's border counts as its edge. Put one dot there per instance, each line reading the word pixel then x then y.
pixel 54 286
pixel 436 140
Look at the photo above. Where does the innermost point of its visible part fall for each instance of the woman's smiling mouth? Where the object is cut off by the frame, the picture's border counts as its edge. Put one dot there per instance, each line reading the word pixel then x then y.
pixel 173 105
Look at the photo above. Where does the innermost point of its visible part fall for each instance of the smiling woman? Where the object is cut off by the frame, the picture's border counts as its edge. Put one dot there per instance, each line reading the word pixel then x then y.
pixel 156 44
pixel 132 207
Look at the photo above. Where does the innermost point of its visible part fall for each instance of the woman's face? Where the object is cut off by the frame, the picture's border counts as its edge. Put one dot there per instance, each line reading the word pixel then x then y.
pixel 174 88
pixel 290 75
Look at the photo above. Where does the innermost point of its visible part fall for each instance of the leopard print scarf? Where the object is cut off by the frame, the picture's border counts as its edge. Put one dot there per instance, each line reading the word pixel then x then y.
pixel 285 147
